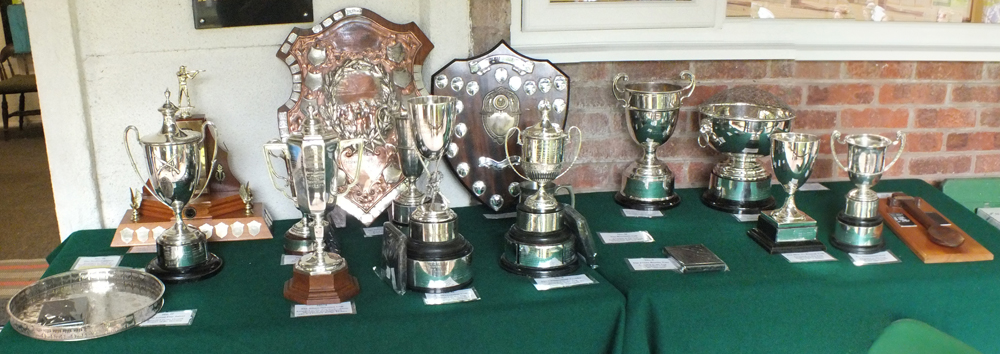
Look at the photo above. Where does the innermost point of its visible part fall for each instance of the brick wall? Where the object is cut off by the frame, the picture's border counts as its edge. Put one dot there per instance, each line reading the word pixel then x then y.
pixel 950 111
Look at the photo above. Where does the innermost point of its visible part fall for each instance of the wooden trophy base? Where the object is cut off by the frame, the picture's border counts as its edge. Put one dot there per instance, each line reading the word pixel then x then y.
pixel 915 237
pixel 321 289
pixel 234 226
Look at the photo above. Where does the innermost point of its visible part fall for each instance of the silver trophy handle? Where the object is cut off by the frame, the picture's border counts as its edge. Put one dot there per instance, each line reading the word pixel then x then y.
pixel 619 91
pixel 901 140
pixel 506 149
pixel 833 149
pixel 579 144
pixel 690 87
pixel 135 167
pixel 215 154
pixel 270 146
pixel 568 189
pixel 360 143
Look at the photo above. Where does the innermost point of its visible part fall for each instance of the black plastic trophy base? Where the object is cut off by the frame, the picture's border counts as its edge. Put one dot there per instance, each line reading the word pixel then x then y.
pixel 736 207
pixel 203 271
pixel 672 201
pixel 522 237
pixel 772 247
pixel 440 290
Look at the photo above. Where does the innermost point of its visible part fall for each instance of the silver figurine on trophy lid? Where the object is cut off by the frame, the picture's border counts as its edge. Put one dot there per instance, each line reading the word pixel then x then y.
pixel 540 244
pixel 313 156
pixel 427 254
pixel 787 229
pixel 651 109
pixel 738 122
pixel 174 167
pixel 859 225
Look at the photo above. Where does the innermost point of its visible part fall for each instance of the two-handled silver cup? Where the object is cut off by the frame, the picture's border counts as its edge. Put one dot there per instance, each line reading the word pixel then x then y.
pixel 859 226
pixel 787 229
pixel 652 110
pixel 313 156
pixel 173 163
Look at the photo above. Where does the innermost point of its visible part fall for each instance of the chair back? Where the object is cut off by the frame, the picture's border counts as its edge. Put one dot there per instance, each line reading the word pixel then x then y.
pixel 6 70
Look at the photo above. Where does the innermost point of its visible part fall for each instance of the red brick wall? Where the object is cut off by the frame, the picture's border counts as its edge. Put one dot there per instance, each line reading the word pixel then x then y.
pixel 950 111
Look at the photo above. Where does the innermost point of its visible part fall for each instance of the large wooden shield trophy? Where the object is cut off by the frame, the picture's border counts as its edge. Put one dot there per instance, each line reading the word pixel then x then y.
pixel 356 65
pixel 497 91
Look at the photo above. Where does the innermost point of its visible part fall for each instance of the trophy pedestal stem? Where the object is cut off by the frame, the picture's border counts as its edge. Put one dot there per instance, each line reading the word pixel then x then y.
pixel 297 240
pixel 785 237
pixel 202 271
pixel 315 289
pixel 857 235
pixel 738 196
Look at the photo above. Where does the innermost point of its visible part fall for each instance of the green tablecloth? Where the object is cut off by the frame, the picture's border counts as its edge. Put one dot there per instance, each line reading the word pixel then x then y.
pixel 767 305
pixel 242 310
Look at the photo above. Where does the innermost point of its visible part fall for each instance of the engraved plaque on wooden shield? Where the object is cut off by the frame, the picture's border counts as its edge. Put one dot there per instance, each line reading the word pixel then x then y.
pixel 356 65
pixel 497 91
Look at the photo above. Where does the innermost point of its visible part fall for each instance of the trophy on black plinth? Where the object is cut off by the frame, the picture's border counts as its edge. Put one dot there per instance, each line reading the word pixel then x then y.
pixel 313 155
pixel 174 167
pixel 738 122
pixel 431 256
pixel 652 109
pixel 859 226
pixel 539 244
pixel 788 229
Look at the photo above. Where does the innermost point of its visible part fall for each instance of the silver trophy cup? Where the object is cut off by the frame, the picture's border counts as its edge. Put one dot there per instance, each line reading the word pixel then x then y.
pixel 437 258
pixel 539 244
pixel 652 109
pixel 313 157
pixel 410 197
pixel 859 226
pixel 788 229
pixel 174 167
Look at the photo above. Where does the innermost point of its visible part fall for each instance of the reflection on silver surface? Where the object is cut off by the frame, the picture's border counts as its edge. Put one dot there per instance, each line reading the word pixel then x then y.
pixel 559 105
pixel 456 84
pixel 515 83
pixel 440 81
pixel 460 130
pixel 560 83
pixel 472 88
pixel 500 74
pixel 478 187
pixel 462 169
pixel 544 85
pixel 496 201
pixel 452 150
pixel 117 298
pixel 530 87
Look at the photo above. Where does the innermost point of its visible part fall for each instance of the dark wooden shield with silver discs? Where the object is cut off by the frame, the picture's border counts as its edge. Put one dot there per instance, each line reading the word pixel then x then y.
pixel 356 65
pixel 497 91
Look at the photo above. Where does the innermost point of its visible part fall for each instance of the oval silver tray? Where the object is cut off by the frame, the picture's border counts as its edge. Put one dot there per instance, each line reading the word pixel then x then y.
pixel 117 299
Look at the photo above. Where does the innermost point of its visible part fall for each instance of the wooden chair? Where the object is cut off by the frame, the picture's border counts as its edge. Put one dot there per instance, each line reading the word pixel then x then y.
pixel 14 84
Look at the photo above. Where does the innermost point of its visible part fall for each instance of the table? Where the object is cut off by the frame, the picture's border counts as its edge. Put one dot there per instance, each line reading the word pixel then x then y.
pixel 242 309
pixel 767 305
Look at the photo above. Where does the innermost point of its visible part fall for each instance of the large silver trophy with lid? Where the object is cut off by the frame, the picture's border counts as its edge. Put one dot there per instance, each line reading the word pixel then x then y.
pixel 738 122
pixel 652 109
pixel 539 244
pixel 428 255
pixel 173 162
pixel 313 156
pixel 859 226
pixel 788 229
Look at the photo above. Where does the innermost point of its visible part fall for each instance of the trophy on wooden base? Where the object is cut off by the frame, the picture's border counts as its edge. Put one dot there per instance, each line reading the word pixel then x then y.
pixel 788 229
pixel 220 212
pixel 313 157
pixel 172 161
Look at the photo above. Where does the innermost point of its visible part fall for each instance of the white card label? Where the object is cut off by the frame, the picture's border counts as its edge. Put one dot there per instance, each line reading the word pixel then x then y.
pixel 813 187
pixel 640 264
pixel 746 217
pixel 501 216
pixel 563 282
pixel 172 318
pixel 287 259
pixel 806 257
pixel 142 249
pixel 374 231
pixel 632 213
pixel 96 262
pixel 625 237
pixel 883 257
pixel 884 195
pixel 343 308
pixel 463 295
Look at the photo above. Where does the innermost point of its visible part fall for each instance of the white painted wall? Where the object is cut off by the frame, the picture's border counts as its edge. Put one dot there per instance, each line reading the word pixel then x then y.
pixel 102 65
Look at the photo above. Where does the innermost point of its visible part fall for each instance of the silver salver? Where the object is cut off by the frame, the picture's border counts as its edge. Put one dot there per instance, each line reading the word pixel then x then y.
pixel 117 299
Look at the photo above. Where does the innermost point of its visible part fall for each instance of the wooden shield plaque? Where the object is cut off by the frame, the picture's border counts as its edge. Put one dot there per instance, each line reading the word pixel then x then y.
pixel 355 65
pixel 497 91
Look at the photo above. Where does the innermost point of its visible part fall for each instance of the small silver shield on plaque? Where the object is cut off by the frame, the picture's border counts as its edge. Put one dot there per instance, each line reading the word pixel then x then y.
pixel 142 234
pixel 254 227
pixel 157 231
pixel 222 230
pixel 237 229
pixel 127 235
pixel 207 229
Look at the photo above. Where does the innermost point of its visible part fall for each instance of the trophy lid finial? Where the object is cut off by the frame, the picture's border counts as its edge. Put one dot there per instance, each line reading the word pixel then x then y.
pixel 545 129
pixel 169 110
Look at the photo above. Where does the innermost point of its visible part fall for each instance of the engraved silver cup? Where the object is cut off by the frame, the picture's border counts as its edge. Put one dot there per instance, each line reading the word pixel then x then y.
pixel 542 158
pixel 865 165
pixel 792 159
